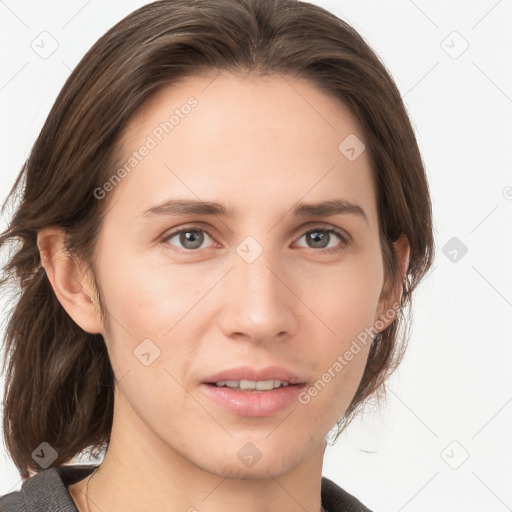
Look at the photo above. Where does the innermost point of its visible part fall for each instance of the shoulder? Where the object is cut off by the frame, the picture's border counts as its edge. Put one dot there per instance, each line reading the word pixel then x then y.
pixel 46 491
pixel 335 499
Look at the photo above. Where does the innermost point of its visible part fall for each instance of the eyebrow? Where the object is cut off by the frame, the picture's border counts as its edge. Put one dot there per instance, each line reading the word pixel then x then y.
pixel 196 207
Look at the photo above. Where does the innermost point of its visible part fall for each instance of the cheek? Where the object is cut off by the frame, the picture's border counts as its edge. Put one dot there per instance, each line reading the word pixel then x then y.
pixel 149 299
pixel 325 400
pixel 347 306
pixel 152 311
pixel 341 360
pixel 350 298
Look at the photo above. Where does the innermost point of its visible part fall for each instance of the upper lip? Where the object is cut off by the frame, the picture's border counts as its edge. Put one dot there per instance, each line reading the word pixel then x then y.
pixel 255 374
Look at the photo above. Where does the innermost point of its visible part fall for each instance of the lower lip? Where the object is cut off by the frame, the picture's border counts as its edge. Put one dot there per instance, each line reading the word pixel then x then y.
pixel 253 404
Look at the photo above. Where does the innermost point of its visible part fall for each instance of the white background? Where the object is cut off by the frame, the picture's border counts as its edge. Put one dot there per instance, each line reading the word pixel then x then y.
pixel 452 396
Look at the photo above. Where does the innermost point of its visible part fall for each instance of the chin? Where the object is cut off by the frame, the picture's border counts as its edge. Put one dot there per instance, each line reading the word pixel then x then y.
pixel 248 464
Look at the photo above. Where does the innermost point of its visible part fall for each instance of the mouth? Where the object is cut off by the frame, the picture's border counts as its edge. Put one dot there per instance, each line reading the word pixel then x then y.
pixel 252 385
pixel 253 403
pixel 247 377
pixel 252 393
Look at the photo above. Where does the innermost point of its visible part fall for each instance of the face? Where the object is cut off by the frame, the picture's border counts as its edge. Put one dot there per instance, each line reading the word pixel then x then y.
pixel 264 284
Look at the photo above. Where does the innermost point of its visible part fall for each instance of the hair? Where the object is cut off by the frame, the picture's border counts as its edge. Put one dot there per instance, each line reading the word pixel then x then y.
pixel 59 380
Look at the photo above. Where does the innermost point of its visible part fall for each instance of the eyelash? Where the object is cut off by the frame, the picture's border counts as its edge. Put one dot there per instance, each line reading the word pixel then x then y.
pixel 344 239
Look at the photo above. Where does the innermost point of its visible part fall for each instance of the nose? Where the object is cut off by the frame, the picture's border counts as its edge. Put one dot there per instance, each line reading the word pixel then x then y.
pixel 259 303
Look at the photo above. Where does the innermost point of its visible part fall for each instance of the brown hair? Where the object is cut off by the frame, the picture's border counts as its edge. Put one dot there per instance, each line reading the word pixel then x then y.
pixel 59 381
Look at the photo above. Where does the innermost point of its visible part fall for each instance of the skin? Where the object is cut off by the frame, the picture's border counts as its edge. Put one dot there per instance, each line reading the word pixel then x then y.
pixel 258 145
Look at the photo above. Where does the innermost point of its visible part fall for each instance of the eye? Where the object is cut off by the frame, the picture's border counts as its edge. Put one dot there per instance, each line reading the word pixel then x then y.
pixel 189 238
pixel 194 237
pixel 321 238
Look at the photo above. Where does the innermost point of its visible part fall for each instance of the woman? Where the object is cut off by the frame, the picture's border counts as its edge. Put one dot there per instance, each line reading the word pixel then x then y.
pixel 222 221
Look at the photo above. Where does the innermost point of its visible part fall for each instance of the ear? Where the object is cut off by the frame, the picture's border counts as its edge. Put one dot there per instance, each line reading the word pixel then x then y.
pixel 73 289
pixel 390 297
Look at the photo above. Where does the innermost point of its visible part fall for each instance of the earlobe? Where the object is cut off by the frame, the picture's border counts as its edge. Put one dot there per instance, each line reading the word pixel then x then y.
pixel 68 280
pixel 389 302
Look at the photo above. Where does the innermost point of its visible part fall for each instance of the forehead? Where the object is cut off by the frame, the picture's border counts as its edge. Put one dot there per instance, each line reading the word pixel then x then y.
pixel 272 140
pixel 260 106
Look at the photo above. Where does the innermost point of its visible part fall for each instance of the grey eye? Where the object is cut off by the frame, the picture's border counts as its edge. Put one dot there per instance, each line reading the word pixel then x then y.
pixel 189 239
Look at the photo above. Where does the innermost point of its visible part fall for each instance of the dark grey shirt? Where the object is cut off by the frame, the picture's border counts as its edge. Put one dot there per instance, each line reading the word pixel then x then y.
pixel 48 491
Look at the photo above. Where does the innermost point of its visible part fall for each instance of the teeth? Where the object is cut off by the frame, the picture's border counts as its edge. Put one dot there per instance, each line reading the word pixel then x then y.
pixel 260 385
